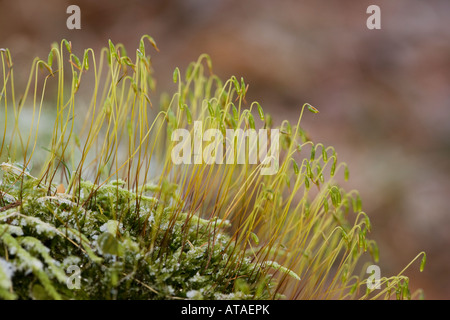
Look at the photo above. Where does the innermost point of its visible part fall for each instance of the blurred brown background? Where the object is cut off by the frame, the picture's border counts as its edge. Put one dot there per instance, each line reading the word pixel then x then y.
pixel 383 95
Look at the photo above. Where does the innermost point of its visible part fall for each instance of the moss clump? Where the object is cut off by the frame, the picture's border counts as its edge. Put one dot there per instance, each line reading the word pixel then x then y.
pixel 164 228
pixel 110 234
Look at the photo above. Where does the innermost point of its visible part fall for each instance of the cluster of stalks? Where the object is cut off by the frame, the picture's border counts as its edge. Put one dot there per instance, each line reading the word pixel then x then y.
pixel 99 190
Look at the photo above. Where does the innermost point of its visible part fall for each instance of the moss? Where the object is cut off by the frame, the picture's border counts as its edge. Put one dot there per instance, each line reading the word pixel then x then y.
pixel 117 258
pixel 110 203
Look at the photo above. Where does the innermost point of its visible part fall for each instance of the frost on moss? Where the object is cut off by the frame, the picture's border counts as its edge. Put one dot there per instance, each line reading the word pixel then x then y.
pixel 111 234
pixel 294 234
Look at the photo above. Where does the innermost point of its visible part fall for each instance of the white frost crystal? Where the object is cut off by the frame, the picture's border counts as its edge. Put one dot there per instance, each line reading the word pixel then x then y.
pixel 192 294
pixel 7 197
pixel 13 230
pixel 111 226
pixel 6 272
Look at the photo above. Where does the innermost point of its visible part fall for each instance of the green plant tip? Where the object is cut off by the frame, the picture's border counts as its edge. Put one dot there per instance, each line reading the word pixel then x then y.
pixel 311 108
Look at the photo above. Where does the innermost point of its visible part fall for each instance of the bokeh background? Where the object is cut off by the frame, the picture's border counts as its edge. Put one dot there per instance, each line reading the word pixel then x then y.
pixel 383 95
